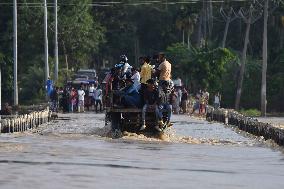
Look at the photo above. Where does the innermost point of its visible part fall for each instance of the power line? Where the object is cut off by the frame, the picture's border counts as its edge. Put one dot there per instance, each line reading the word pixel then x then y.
pixel 111 3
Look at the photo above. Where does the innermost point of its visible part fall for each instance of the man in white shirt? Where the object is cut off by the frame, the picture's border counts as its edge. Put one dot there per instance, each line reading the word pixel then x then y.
pixel 91 94
pixel 81 97
pixel 217 100
pixel 98 94
pixel 206 96
pixel 136 78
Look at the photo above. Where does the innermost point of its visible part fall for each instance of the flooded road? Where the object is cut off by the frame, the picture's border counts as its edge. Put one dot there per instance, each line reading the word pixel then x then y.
pixel 74 153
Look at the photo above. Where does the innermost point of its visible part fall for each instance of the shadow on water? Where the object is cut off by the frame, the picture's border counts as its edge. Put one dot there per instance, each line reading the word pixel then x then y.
pixel 113 166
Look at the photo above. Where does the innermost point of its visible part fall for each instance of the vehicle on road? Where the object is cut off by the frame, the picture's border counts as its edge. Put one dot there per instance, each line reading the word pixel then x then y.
pixel 130 119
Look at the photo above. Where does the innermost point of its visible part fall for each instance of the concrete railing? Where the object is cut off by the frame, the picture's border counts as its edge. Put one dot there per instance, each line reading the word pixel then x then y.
pixel 248 124
pixel 21 123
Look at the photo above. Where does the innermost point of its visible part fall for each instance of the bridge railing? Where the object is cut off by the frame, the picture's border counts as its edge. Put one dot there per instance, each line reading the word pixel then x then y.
pixel 24 122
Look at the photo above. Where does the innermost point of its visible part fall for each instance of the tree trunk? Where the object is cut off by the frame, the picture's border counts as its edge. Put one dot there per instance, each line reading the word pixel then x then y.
pixel 281 38
pixel 226 29
pixel 188 39
pixel 66 59
pixel 243 62
pixel 264 61
pixel 183 36
pixel 204 12
pixel 210 18
pixel 199 36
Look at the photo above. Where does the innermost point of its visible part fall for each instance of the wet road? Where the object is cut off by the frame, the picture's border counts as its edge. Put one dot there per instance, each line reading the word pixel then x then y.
pixel 75 153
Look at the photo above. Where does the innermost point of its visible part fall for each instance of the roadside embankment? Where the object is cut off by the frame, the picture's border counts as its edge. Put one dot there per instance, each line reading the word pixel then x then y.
pixel 248 124
pixel 21 123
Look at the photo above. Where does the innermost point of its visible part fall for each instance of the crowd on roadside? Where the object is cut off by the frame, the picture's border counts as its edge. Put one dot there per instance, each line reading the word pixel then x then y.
pixel 71 99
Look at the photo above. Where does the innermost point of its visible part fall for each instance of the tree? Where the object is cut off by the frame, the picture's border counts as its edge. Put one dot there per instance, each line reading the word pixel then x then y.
pixel 249 17
pixel 228 17
pixel 201 67
pixel 79 32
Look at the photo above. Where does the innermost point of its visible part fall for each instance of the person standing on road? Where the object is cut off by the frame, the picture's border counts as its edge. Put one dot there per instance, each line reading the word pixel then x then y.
pixel 206 97
pixel 73 99
pixel 174 101
pixel 184 100
pixel 91 94
pixel 98 93
pixel 81 98
pixel 217 100
pixel 49 87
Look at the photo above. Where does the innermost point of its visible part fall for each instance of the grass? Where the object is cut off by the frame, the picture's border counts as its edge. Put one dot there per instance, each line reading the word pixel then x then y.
pixel 251 112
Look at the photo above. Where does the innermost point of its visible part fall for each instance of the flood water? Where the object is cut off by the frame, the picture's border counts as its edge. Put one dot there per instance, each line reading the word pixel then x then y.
pixel 74 152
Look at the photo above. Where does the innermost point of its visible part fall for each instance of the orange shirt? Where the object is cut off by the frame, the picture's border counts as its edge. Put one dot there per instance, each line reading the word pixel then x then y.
pixel 165 71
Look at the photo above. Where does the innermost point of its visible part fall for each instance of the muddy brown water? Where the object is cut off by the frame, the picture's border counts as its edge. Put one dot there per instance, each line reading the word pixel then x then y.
pixel 74 152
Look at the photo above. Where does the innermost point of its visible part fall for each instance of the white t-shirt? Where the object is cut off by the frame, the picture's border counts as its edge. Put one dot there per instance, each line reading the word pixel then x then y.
pixel 136 79
pixel 216 99
pixel 81 94
pixel 98 93
pixel 91 90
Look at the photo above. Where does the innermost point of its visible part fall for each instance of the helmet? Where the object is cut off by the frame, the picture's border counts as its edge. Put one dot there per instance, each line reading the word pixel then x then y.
pixel 123 58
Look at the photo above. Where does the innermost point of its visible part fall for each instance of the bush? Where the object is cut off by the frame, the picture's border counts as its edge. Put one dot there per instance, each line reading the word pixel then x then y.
pixel 251 112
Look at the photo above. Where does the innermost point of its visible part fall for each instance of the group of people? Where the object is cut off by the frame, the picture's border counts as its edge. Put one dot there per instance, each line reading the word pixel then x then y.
pixel 148 87
pixel 202 101
pixel 72 99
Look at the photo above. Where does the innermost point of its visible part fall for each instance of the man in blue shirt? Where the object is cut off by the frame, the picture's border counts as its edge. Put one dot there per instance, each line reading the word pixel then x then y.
pixel 130 97
pixel 49 86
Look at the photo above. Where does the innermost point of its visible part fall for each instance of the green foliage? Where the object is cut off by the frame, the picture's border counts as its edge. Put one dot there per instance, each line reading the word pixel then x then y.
pixel 32 88
pixel 80 33
pixel 251 112
pixel 200 67
pixel 6 66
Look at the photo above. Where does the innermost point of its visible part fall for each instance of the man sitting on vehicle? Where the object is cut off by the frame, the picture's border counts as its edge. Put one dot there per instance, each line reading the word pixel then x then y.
pixel 151 97
pixel 164 105
pixel 164 70
pixel 124 66
pixel 130 97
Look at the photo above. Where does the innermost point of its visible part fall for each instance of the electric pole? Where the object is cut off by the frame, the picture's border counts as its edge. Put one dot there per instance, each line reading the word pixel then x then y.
pixel 264 61
pixel 15 49
pixel 56 43
pixel 45 43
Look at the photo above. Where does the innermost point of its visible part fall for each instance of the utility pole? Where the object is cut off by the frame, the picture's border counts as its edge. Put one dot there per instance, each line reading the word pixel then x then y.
pixel 264 61
pixel 56 42
pixel 45 43
pixel 0 91
pixel 15 48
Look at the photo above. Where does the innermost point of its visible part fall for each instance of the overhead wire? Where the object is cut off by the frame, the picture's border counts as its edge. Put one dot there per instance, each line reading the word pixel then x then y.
pixel 110 3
